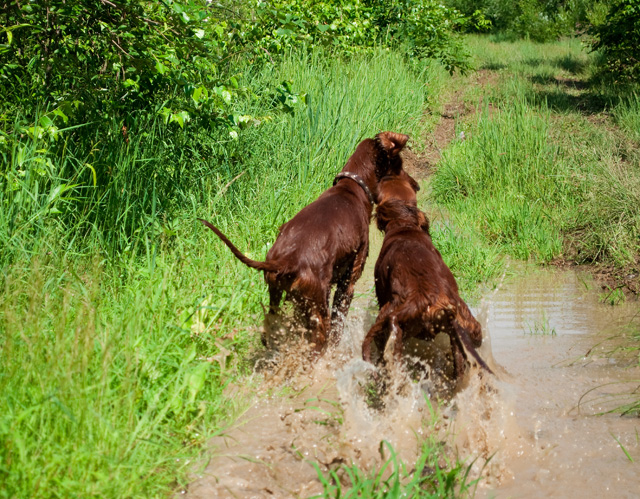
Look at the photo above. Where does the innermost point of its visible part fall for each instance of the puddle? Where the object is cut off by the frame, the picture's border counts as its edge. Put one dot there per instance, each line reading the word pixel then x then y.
pixel 534 421
pixel 317 415
pixel 552 445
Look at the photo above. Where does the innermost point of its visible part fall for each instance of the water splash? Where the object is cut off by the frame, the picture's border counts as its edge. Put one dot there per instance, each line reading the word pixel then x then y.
pixel 520 431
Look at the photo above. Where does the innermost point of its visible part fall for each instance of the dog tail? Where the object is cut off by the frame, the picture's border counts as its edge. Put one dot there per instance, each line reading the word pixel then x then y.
pixel 464 338
pixel 266 266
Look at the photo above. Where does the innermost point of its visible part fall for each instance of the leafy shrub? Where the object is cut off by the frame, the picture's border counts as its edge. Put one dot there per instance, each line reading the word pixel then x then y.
pixel 618 39
pixel 421 28
pixel 97 60
pixel 426 28
pixel 539 20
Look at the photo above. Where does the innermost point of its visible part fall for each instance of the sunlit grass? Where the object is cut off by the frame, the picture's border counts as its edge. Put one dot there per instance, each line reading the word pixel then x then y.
pixel 543 173
pixel 506 181
pixel 121 320
pixel 434 474
pixel 425 478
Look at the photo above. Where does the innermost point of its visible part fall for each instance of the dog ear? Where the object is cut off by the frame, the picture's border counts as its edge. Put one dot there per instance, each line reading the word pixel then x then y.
pixel 382 217
pixel 423 221
pixel 392 142
pixel 412 182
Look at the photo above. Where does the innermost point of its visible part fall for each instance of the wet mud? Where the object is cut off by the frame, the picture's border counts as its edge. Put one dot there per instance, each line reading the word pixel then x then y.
pixel 531 431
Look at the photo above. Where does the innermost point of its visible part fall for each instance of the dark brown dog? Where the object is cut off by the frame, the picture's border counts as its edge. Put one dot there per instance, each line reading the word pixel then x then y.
pixel 402 187
pixel 417 292
pixel 327 242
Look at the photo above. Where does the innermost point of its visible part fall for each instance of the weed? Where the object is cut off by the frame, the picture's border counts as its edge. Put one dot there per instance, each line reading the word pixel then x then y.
pixel 626 452
pixel 540 326
pixel 430 477
pixel 613 296
pixel 330 411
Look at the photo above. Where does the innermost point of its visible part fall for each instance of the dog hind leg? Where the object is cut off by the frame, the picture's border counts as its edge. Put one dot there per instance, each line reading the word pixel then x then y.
pixel 376 333
pixel 272 323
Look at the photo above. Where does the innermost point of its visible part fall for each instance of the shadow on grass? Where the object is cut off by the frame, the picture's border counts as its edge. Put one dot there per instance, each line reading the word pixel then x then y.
pixel 572 94
pixel 560 100
pixel 569 63
pixel 494 66
pixel 567 83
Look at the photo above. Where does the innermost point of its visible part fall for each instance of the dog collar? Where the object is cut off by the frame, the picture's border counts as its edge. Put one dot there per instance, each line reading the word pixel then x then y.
pixel 357 179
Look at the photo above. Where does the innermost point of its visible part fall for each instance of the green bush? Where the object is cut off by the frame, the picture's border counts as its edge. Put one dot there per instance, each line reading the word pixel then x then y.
pixel 105 60
pixel 618 40
pixel 425 28
pixel 538 20
pixel 97 60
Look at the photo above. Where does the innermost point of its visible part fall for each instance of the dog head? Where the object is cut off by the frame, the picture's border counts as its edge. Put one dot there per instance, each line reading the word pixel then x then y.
pixel 403 187
pixel 377 157
pixel 389 145
pixel 396 211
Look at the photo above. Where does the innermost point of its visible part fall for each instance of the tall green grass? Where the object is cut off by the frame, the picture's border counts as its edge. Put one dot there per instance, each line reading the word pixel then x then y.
pixel 627 115
pixel 122 320
pixel 544 172
pixel 508 181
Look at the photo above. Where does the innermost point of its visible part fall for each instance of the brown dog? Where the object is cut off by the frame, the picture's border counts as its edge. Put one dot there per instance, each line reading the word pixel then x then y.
pixel 404 188
pixel 417 292
pixel 327 242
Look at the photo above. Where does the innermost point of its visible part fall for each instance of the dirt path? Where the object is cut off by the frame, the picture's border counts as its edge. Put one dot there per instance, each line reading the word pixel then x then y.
pixel 530 432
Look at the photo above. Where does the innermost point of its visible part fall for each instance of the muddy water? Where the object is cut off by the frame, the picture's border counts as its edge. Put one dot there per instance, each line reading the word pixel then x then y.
pixel 529 432
pixel 541 425
pixel 311 418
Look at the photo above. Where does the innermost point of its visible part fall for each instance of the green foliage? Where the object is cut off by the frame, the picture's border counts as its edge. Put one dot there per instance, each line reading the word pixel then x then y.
pixel 100 60
pixel 106 61
pixel 115 114
pixel 420 28
pixel 618 40
pixel 427 28
pixel 612 297
pixel 538 20
pixel 627 115
pixel 470 258
pixel 281 25
pixel 540 326
pixel 121 320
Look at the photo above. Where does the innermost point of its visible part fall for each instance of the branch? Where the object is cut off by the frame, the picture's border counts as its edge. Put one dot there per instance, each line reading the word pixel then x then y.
pixel 123 50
